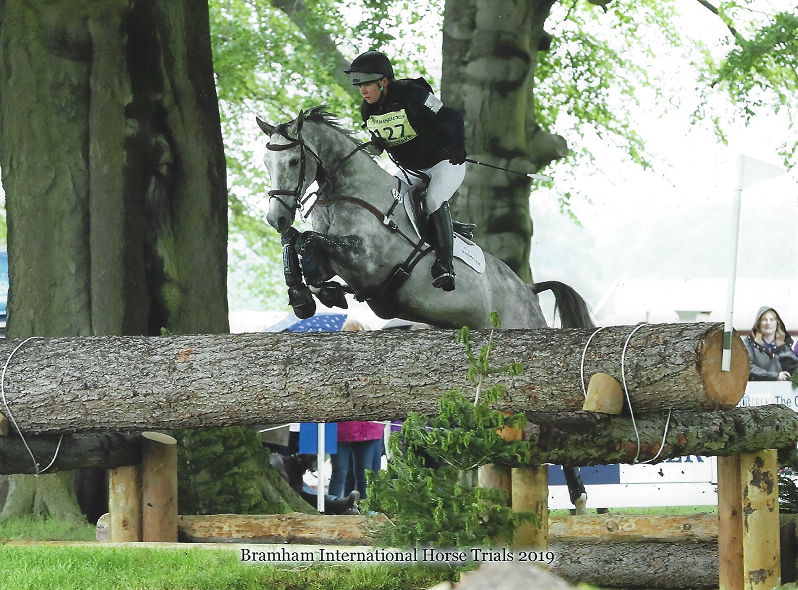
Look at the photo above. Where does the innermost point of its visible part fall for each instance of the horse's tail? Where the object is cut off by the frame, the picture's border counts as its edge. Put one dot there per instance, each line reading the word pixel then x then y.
pixel 574 311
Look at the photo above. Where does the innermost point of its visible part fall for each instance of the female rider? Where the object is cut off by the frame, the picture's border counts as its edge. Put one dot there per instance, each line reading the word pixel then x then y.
pixel 423 137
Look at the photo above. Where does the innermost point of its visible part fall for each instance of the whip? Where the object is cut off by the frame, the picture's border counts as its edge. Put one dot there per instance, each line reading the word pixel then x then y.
pixel 530 174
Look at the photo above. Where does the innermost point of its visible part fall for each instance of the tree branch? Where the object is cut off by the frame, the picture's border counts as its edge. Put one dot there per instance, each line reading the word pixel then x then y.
pixel 300 15
pixel 714 10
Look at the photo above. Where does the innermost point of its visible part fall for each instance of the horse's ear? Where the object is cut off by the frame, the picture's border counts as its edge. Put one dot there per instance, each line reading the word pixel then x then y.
pixel 265 127
pixel 299 121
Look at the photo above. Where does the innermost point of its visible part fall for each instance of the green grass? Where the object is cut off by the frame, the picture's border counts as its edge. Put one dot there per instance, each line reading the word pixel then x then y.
pixel 193 568
pixel 37 529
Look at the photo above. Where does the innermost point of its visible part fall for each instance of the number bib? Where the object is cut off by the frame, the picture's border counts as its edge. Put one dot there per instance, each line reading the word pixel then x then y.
pixel 393 127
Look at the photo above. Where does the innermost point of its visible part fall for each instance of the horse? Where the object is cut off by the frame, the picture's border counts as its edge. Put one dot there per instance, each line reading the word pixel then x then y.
pixel 362 236
pixel 362 233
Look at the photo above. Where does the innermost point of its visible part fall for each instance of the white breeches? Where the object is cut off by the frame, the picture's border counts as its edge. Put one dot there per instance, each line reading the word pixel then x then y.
pixel 444 180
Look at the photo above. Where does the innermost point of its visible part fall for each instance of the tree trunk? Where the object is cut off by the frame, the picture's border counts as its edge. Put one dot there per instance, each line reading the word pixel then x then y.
pixel 489 61
pixel 587 438
pixel 134 383
pixel 114 171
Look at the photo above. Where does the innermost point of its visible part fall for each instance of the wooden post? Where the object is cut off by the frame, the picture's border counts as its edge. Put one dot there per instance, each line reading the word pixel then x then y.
pixel 748 527
pixel 124 504
pixel 159 487
pixel 528 489
pixel 531 492
pixel 3 425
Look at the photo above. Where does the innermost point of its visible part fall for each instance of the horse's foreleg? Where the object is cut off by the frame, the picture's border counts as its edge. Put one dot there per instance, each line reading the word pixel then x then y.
pixel 319 251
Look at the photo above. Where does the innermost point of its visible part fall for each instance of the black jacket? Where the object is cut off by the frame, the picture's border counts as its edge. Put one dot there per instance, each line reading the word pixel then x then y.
pixel 418 128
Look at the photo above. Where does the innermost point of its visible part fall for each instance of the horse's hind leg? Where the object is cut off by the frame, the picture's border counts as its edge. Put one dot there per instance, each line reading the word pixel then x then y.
pixel 576 489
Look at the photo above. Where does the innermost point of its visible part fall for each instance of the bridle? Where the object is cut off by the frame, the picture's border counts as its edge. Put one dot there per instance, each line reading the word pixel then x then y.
pixel 299 202
pixel 321 172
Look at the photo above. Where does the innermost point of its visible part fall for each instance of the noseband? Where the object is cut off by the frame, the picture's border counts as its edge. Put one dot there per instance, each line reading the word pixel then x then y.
pixel 276 194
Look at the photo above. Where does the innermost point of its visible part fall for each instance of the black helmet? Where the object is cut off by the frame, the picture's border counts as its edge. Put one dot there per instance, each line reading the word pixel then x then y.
pixel 369 67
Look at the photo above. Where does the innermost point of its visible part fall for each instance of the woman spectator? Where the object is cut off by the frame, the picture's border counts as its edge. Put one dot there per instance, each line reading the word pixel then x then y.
pixel 358 443
pixel 770 348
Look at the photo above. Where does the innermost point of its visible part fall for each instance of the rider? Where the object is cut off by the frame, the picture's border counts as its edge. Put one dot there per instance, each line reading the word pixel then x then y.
pixel 425 138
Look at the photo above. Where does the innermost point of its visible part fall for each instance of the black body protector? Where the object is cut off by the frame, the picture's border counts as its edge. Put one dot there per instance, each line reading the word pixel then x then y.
pixel 418 132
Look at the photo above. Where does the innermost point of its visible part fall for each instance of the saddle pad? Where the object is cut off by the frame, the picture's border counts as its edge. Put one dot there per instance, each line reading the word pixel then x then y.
pixel 464 249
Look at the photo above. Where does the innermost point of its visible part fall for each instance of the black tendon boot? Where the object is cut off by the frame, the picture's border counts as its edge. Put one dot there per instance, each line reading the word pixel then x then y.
pixel 441 228
pixel 299 296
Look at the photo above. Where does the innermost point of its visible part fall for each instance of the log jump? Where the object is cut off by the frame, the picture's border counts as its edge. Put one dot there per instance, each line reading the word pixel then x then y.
pixel 84 386
pixel 97 384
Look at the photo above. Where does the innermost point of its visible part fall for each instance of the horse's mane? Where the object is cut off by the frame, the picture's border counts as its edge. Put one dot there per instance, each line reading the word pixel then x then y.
pixel 319 114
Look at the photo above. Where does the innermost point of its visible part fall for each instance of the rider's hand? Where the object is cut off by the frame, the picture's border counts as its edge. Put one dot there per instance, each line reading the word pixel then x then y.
pixel 457 154
pixel 783 376
pixel 379 143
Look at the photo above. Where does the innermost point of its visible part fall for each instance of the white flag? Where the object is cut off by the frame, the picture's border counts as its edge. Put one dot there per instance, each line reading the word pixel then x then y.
pixel 752 171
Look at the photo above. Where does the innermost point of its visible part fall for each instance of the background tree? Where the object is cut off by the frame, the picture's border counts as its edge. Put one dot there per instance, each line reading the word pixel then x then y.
pixel 114 172
pixel 543 85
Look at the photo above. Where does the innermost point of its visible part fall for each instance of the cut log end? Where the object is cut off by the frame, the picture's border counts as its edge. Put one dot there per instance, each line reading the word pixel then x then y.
pixel 724 387
pixel 604 395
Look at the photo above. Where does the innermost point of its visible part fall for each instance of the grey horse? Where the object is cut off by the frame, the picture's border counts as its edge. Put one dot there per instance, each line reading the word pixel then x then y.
pixel 362 236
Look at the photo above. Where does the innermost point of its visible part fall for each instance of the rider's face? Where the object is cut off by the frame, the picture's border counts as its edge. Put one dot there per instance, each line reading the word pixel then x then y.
pixel 370 91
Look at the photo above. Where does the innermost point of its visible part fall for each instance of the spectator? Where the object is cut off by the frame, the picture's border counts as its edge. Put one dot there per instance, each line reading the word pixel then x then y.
pixel 769 346
pixel 358 443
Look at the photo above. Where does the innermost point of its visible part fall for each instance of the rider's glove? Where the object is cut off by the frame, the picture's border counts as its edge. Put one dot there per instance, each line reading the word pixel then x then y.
pixel 457 154
pixel 379 143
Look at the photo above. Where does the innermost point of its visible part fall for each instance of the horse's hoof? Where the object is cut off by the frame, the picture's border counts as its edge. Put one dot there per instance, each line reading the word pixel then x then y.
pixel 332 295
pixel 581 505
pixel 301 301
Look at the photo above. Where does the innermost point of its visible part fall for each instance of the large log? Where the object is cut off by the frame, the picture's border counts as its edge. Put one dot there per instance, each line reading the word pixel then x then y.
pixel 136 383
pixel 323 529
pixel 588 438
pixel 578 438
pixel 638 565
pixel 295 527
pixel 77 451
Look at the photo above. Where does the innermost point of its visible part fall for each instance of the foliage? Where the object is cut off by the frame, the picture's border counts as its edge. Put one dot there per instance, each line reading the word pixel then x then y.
pixel 189 568
pixel 422 490
pixel 760 73
pixel 788 495
pixel 222 470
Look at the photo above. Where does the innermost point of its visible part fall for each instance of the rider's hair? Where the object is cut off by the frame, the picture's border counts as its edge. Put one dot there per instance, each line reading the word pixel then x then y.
pixel 353 325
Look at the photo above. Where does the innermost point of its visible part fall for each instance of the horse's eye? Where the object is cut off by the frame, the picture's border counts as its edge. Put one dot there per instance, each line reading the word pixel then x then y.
pixel 293 161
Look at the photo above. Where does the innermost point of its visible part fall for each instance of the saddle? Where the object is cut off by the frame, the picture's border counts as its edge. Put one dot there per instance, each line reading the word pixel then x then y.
pixel 421 213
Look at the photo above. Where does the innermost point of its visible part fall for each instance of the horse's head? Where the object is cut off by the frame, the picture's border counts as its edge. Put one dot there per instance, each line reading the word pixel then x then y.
pixel 290 169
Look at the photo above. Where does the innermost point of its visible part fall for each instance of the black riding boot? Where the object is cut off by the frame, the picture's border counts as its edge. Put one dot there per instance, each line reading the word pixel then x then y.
pixel 443 240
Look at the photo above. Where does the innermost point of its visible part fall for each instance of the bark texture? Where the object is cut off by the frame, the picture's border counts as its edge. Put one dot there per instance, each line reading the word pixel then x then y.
pixel 136 383
pixel 294 527
pixel 587 438
pixel 638 565
pixel 113 167
pixel 490 53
